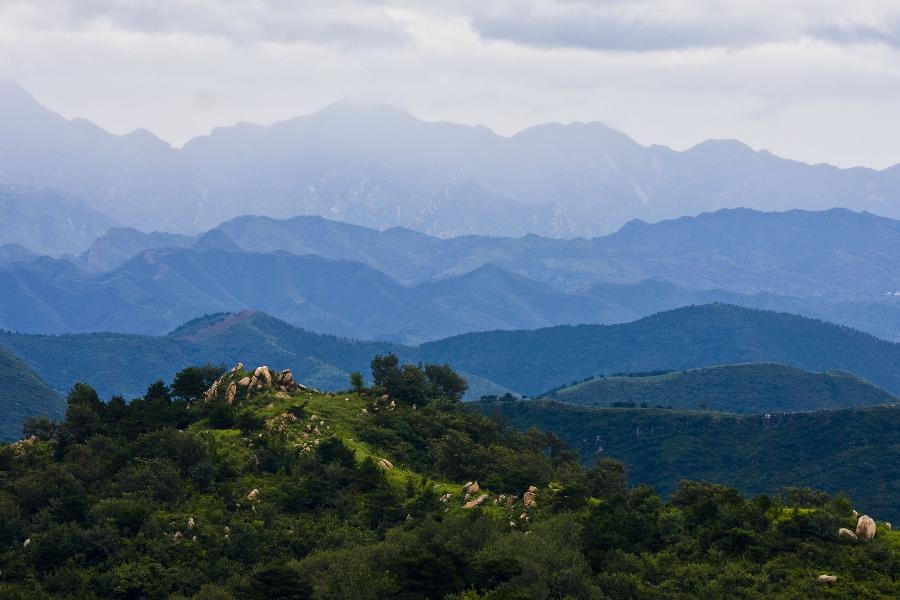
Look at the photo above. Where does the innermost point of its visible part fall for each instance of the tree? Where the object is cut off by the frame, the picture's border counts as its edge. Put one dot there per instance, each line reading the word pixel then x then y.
pixel 191 383
pixel 607 478
pixel 446 382
pixel 386 371
pixel 357 383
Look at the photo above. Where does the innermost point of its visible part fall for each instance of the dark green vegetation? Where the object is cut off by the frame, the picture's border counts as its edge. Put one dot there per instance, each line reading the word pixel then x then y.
pixel 290 496
pixel 528 362
pixel 852 451
pixel 22 394
pixel 751 388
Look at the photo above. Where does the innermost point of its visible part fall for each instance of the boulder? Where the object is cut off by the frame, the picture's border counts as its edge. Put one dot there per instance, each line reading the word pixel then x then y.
pixel 529 498
pixel 865 528
pixel 846 534
pixel 887 525
pixel 471 487
pixel 231 394
pixel 385 464
pixel 253 495
pixel 244 382
pixel 177 537
pixel 476 502
pixel 26 543
pixel 190 523
pixel 826 579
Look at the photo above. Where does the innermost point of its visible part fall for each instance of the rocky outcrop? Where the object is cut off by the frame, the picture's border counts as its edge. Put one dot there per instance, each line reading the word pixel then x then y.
pixel 846 534
pixel 476 502
pixel 865 528
pixel 385 464
pixel 237 384
pixel 471 488
pixel 529 497
pixel 827 579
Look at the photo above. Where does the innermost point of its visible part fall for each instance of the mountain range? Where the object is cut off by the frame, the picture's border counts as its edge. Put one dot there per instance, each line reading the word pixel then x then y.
pixel 381 167
pixel 408 287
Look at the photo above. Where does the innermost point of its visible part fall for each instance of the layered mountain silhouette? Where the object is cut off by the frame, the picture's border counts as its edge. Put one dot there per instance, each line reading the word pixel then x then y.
pixel 381 167
pixel 409 287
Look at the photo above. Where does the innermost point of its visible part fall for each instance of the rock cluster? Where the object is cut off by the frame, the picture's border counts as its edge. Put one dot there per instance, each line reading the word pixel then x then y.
pixel 865 529
pixel 240 383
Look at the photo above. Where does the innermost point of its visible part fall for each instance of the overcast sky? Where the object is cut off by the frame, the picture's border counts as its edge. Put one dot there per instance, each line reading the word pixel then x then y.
pixel 816 80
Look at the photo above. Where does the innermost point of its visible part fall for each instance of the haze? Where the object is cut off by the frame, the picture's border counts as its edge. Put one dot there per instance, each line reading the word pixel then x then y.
pixel 817 81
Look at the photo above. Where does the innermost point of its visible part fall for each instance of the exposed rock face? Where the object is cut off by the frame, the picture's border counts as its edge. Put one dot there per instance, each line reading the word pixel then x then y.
pixel 476 502
pixel 238 384
pixel 826 579
pixel 471 488
pixel 865 528
pixel 846 534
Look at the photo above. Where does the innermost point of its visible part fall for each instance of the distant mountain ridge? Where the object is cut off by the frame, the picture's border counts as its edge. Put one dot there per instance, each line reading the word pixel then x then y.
pixel 835 265
pixel 381 167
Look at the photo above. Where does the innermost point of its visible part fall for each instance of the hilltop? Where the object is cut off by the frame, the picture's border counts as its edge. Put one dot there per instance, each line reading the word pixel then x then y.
pixel 282 492
pixel 750 388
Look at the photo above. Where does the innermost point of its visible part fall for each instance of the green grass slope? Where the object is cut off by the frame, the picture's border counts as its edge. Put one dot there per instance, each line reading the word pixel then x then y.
pixel 856 451
pixel 750 388
pixel 22 394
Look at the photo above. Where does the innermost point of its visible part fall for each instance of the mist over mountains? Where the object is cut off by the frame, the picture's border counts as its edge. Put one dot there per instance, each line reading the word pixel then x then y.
pixel 381 167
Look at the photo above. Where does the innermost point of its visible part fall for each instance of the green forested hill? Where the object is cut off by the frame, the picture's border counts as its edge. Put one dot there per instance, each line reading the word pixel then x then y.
pixel 22 394
pixel 534 361
pixel 856 451
pixel 750 388
pixel 298 495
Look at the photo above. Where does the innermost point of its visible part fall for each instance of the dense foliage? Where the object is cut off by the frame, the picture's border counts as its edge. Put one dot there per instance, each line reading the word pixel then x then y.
pixel 340 496
pixel 851 451
pixel 748 388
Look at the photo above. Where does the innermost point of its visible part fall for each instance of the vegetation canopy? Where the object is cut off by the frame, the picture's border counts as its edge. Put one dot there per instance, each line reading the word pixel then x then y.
pixel 398 491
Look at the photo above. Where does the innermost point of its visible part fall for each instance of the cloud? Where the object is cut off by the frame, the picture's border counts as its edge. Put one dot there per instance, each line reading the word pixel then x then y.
pixel 646 25
pixel 344 23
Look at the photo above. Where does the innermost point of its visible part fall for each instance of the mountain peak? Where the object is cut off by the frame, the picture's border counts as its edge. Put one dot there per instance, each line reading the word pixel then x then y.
pixel 14 99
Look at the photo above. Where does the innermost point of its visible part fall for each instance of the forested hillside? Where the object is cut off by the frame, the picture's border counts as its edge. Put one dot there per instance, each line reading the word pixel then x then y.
pixel 261 489
pixel 686 338
pixel 852 451
pixel 750 388
pixel 23 394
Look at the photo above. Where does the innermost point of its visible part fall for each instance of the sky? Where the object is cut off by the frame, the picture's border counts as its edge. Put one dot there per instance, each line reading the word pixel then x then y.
pixel 817 81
